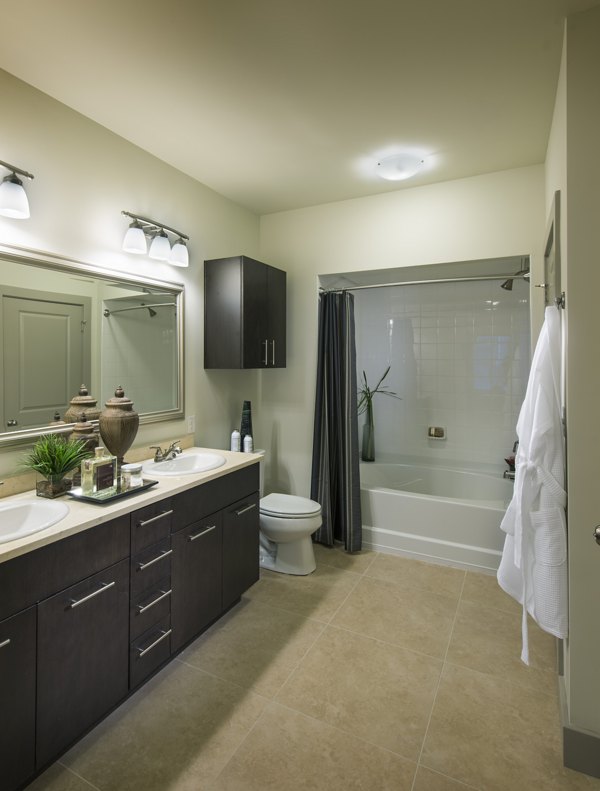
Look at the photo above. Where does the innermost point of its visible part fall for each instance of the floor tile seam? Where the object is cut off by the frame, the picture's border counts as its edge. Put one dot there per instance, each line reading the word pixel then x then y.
pixel 300 660
pixel 520 685
pixel 450 777
pixel 344 732
pixel 410 650
pixel 301 615
pixel 345 599
pixel 415 588
pixel 235 684
pixel 79 776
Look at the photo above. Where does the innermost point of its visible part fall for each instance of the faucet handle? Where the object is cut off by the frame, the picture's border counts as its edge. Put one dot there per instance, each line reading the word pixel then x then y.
pixel 159 454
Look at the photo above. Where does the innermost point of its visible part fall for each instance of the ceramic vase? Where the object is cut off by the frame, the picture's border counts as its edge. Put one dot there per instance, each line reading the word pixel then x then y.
pixel 118 424
pixel 246 427
pixel 82 403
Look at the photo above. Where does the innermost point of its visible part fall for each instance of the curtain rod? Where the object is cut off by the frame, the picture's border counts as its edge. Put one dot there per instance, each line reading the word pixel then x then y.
pixel 524 276
pixel 107 312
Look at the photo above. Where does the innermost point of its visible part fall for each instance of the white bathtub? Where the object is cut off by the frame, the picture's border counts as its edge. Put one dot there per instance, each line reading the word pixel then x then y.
pixel 434 513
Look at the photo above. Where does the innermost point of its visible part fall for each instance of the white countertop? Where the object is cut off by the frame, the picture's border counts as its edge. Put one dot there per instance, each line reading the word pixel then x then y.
pixel 84 515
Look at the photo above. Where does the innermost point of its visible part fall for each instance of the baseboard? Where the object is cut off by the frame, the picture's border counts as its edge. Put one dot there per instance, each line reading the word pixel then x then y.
pixel 581 749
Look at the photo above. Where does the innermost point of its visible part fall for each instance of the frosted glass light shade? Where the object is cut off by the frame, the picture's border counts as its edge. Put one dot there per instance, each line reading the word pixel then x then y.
pixel 399 166
pixel 13 198
pixel 179 254
pixel 160 249
pixel 135 240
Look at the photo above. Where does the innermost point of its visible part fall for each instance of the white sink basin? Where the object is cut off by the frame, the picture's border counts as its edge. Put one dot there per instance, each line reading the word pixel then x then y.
pixel 185 464
pixel 19 519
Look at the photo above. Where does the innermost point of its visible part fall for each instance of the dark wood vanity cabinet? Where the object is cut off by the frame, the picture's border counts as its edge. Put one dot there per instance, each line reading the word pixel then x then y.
pixel 244 314
pixel 240 548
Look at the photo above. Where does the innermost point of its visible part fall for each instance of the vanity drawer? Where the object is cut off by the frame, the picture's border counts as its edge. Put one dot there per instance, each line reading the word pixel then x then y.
pixel 150 524
pixel 148 608
pixel 149 651
pixel 212 496
pixel 150 567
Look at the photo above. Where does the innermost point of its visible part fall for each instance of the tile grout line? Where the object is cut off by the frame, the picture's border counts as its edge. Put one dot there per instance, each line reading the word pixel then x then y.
pixel 437 688
pixel 76 774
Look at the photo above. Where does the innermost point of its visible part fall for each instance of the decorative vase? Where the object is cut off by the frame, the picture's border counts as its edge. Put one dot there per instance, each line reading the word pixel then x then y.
pixel 118 424
pixel 82 404
pixel 53 486
pixel 368 437
pixel 246 427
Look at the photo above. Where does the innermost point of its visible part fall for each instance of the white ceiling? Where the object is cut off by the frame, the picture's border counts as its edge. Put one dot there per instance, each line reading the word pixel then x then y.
pixel 279 104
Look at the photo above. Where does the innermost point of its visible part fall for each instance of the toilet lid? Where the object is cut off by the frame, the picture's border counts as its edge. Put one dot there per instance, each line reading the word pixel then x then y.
pixel 288 505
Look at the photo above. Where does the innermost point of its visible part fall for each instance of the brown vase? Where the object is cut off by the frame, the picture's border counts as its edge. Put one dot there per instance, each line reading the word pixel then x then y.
pixel 82 403
pixel 118 424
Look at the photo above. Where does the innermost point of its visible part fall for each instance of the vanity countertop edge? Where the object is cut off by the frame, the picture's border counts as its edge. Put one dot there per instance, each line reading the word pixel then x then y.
pixel 84 515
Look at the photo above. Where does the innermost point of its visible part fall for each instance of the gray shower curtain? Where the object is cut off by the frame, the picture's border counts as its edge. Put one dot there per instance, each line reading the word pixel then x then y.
pixel 335 481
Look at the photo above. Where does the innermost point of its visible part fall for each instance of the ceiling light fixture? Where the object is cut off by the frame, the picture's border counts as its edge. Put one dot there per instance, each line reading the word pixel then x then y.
pixel 13 198
pixel 141 228
pixel 398 167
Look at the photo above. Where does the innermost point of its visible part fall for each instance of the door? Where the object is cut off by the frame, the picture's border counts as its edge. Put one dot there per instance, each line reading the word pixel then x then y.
pixel 46 352
pixel 552 280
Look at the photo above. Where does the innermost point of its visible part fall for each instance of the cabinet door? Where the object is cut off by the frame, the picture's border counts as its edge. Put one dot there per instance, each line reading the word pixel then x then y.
pixel 17 698
pixel 276 311
pixel 83 647
pixel 240 548
pixel 196 579
pixel 255 337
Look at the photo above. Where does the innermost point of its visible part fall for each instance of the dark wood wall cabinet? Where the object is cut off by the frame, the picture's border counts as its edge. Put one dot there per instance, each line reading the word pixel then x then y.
pixel 244 314
pixel 86 620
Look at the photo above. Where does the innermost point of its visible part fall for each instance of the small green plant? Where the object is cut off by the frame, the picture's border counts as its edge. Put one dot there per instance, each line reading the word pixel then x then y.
pixel 53 456
pixel 366 393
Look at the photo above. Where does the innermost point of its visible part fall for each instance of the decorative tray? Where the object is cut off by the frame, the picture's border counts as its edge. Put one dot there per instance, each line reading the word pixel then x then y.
pixel 101 499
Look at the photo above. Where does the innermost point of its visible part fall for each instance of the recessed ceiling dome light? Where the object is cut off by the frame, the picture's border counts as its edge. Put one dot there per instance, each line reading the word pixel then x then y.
pixel 398 167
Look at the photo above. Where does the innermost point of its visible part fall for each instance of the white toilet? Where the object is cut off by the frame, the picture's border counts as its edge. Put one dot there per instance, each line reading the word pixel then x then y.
pixel 286 525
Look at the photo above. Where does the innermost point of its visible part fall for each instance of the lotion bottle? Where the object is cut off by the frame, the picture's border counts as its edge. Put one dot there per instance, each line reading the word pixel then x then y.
pixel 236 438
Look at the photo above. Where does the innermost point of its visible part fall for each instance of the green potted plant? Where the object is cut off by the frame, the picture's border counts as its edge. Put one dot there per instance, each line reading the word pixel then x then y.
pixel 53 456
pixel 365 404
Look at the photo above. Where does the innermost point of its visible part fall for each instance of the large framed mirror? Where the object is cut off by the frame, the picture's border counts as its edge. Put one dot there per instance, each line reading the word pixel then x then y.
pixel 64 323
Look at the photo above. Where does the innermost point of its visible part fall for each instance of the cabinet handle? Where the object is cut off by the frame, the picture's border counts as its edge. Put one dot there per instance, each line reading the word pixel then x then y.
pixel 155 518
pixel 202 533
pixel 76 602
pixel 166 553
pixel 154 644
pixel 163 595
pixel 266 360
pixel 247 508
pixel 4 643
pixel 273 354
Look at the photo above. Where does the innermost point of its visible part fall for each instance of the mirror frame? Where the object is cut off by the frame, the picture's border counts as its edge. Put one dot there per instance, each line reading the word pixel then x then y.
pixel 58 263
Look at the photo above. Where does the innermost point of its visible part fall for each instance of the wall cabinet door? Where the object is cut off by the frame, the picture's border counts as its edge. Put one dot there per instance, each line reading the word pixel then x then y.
pixel 240 548
pixel 196 578
pixel 83 640
pixel 17 698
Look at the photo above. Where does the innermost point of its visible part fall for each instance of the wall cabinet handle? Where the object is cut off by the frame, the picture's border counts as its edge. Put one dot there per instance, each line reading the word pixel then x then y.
pixel 105 586
pixel 273 352
pixel 247 508
pixel 155 518
pixel 143 607
pixel 4 643
pixel 144 651
pixel 166 553
pixel 266 358
pixel 202 533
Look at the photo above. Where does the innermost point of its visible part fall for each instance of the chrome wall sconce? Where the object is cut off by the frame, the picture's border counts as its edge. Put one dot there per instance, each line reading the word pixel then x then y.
pixel 13 198
pixel 142 229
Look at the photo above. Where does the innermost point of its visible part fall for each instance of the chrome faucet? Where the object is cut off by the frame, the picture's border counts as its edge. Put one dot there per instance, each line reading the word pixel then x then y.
pixel 164 455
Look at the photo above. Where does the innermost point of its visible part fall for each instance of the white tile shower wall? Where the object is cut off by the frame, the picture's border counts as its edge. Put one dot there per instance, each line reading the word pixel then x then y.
pixel 459 357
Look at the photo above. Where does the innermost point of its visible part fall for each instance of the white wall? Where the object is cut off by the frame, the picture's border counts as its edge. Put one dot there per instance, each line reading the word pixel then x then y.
pixel 497 215
pixel 84 177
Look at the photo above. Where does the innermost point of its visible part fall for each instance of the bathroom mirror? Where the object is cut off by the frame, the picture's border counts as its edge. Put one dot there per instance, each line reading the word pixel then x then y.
pixel 65 322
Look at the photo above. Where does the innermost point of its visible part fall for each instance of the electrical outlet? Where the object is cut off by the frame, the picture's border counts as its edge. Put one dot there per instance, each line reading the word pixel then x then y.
pixel 191 424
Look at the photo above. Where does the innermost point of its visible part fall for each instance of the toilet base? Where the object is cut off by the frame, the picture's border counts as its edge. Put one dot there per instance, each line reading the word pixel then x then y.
pixel 293 557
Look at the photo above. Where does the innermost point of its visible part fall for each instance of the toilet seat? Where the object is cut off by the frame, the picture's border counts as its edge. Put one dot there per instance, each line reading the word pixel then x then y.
pixel 289 506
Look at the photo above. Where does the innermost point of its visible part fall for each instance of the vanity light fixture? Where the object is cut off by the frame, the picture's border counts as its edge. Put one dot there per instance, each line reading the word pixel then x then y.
pixel 143 228
pixel 13 198
pixel 398 167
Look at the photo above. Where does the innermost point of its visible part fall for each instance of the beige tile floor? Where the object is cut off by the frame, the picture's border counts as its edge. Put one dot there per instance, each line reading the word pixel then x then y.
pixel 376 673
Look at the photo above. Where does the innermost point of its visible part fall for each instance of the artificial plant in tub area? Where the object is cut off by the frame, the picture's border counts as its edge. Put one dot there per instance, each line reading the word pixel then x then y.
pixel 365 404
pixel 53 456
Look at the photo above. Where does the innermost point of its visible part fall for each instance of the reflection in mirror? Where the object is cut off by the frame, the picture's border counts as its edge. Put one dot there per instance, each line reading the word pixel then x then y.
pixel 64 323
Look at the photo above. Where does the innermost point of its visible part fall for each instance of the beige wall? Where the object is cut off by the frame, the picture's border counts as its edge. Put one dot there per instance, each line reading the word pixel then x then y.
pixel 496 215
pixel 84 177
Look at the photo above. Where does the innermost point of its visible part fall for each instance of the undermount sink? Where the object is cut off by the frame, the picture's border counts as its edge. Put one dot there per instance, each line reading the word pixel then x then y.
pixel 185 464
pixel 19 519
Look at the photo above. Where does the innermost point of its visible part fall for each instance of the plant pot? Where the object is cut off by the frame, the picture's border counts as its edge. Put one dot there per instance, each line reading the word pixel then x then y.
pixel 55 486
pixel 368 442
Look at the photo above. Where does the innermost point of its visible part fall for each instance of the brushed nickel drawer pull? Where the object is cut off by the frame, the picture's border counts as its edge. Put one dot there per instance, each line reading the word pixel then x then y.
pixel 266 360
pixel 166 553
pixel 105 586
pixel 143 607
pixel 154 644
pixel 202 533
pixel 247 508
pixel 273 355
pixel 155 518
pixel 5 643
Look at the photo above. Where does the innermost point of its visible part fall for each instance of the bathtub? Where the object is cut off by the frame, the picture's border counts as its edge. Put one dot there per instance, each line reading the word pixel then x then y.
pixel 434 513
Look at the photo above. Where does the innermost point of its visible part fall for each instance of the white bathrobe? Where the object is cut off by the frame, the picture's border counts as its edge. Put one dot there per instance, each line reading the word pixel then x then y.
pixel 533 569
